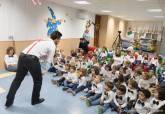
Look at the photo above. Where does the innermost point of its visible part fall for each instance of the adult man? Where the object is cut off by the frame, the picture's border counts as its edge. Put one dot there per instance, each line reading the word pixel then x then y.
pixel 29 60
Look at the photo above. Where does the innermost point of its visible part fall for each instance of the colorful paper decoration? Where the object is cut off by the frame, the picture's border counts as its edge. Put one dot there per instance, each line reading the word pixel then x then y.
pixel 86 33
pixel 53 22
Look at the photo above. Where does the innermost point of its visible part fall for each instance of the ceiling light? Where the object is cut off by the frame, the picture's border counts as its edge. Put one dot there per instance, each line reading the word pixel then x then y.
pixel 120 16
pixel 154 10
pixel 106 11
pixel 82 2
pixel 142 0
pixel 159 16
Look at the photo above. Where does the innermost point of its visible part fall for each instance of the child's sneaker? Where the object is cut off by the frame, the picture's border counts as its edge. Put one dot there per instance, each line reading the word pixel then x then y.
pixel 73 93
pixel 83 98
pixel 100 110
pixel 88 103
pixel 69 91
pixel 65 88
pixel 86 90
pixel 54 82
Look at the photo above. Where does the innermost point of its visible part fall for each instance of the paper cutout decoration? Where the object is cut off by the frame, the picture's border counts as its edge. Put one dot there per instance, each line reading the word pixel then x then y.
pixel 86 33
pixel 53 22
pixel 36 2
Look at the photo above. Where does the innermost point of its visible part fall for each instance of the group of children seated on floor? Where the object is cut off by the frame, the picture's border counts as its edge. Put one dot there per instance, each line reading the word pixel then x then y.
pixel 131 83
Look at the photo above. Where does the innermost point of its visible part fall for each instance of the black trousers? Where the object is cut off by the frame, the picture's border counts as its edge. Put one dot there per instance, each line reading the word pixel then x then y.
pixel 27 63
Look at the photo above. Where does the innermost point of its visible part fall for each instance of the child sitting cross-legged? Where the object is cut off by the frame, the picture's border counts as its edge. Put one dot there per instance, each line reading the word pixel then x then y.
pixel 119 101
pixel 60 81
pixel 131 93
pixel 142 104
pixel 106 97
pixel 82 81
pixel 158 100
pixel 71 79
pixel 96 90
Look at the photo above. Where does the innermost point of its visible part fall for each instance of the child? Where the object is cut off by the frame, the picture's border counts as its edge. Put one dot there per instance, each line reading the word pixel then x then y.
pixel 96 90
pixel 141 106
pixel 119 102
pixel 63 78
pixel 11 59
pixel 82 81
pixel 119 81
pixel 72 79
pixel 161 78
pixel 131 93
pixel 118 58
pixel 90 78
pixel 77 63
pixel 129 57
pixel 144 83
pixel 112 74
pixel 107 73
pixel 126 73
pixel 158 100
pixel 106 98
pixel 154 63
pixel 137 75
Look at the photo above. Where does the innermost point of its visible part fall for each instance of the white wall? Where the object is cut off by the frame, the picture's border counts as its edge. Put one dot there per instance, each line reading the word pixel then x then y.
pixel 24 21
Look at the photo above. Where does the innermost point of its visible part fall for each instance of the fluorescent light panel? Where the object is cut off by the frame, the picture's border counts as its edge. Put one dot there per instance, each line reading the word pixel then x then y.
pixel 159 16
pixel 82 2
pixel 106 11
pixel 154 10
pixel 142 0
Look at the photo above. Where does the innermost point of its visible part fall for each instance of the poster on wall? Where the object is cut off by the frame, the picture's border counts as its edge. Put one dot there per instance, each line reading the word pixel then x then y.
pixel 53 22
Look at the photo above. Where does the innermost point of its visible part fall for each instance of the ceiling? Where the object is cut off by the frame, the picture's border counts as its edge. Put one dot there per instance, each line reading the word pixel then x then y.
pixel 125 9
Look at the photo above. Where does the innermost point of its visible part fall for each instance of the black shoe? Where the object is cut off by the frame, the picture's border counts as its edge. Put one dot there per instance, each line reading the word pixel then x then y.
pixel 65 88
pixel 38 102
pixel 9 103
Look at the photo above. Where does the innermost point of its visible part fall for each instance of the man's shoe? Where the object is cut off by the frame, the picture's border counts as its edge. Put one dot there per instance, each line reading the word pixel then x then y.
pixel 9 103
pixel 38 102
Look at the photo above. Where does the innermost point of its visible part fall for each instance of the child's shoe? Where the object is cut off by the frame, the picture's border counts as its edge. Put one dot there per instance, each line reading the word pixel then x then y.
pixel 83 98
pixel 88 103
pixel 100 110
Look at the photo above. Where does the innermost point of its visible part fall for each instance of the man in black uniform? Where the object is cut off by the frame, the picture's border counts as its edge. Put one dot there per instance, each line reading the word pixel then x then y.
pixel 29 60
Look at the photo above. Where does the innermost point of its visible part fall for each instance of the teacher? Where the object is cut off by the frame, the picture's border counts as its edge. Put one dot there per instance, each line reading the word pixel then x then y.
pixel 29 60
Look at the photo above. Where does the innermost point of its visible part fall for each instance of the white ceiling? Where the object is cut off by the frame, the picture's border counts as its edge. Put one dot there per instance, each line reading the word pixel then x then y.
pixel 126 9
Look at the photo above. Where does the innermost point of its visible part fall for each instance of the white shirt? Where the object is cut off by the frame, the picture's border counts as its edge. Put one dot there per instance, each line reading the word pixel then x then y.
pixel 144 83
pixel 154 61
pixel 132 93
pixel 129 58
pixel 10 60
pixel 97 88
pixel 142 108
pixel 73 77
pixel 118 60
pixel 82 81
pixel 44 50
pixel 120 102
pixel 107 96
pixel 155 104
pixel 140 58
pixel 112 76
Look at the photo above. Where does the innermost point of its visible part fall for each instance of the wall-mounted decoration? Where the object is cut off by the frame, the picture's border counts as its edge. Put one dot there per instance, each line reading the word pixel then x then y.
pixel 86 33
pixel 53 22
